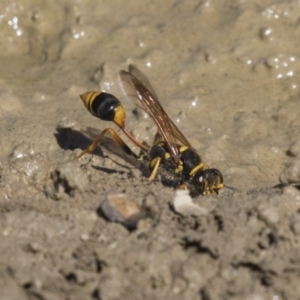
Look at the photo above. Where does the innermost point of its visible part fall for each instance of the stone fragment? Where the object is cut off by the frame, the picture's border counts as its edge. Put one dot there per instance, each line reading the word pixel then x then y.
pixel 118 207
pixel 66 123
pixel 184 205
pixel 269 215
pixel 291 172
pixel 294 149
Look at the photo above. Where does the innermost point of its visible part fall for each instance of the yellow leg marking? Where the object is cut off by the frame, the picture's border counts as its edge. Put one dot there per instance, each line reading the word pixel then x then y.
pixel 214 189
pixel 206 166
pixel 95 143
pixel 199 167
pixel 219 186
pixel 183 148
pixel 154 171
pixel 179 168
pixel 153 162
pixel 167 155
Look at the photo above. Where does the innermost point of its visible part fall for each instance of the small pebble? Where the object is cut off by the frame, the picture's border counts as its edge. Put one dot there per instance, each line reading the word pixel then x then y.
pixel 184 205
pixel 296 224
pixel 291 196
pixel 269 215
pixel 294 149
pixel 266 34
pixel 118 207
pixel 84 237
pixel 66 123
pixel 22 150
pixel 291 172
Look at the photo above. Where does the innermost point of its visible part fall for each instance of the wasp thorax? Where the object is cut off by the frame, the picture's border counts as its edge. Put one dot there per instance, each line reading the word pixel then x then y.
pixel 104 106
pixel 190 159
pixel 208 181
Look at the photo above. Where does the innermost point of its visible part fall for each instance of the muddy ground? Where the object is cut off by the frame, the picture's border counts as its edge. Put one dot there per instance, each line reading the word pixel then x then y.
pixel 227 73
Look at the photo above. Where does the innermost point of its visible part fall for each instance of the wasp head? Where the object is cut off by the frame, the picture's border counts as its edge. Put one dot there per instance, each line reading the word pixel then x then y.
pixel 207 181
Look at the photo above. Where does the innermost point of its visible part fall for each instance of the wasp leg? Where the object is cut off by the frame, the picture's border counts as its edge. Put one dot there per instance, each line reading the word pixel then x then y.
pixel 199 167
pixel 114 135
pixel 155 168
pixel 136 142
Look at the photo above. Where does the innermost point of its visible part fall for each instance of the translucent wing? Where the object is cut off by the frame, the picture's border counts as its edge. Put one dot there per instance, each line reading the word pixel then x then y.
pixel 137 87
pixel 133 70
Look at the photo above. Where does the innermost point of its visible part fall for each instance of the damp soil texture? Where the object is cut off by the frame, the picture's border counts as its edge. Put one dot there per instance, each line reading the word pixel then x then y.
pixel 227 73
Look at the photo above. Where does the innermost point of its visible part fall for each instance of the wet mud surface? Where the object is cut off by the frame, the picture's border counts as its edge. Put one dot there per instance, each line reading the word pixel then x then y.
pixel 228 76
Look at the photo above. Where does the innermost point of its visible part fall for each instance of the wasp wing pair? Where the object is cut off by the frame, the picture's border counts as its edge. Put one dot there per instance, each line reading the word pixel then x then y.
pixel 137 87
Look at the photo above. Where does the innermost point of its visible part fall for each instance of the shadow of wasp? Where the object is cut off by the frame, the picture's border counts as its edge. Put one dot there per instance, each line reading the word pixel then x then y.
pixel 177 162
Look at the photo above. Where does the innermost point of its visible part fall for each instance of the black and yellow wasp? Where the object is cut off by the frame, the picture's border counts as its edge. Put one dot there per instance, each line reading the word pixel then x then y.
pixel 171 155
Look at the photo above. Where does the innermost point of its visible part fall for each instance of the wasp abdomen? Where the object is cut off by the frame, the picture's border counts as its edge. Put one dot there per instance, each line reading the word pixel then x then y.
pixel 104 106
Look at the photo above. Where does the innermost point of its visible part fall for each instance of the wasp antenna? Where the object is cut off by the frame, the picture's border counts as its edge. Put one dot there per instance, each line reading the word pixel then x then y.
pixel 232 188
